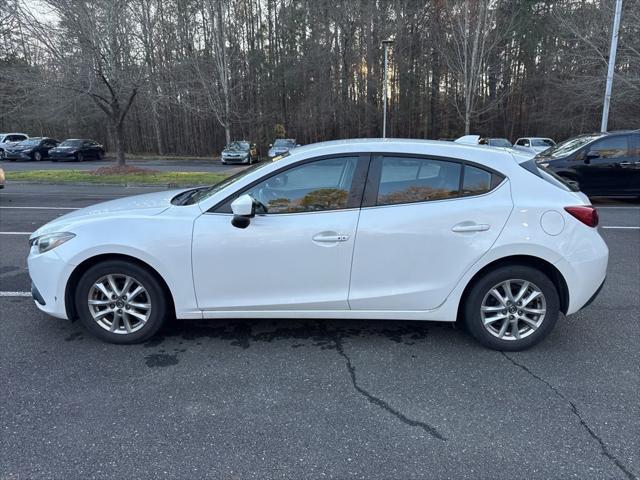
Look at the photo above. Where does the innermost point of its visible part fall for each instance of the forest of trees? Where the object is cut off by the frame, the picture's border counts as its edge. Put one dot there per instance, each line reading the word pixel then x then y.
pixel 185 76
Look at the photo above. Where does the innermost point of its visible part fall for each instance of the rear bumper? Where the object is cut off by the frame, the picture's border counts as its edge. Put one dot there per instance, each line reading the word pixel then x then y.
pixel 593 297
pixel 584 271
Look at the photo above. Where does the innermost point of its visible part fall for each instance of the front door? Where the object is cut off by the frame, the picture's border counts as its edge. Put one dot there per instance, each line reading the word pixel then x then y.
pixel 295 254
pixel 610 172
pixel 421 231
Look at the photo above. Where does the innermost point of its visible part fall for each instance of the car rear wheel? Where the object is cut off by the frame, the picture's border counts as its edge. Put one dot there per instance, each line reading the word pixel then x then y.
pixel 512 308
pixel 120 302
pixel 79 156
pixel 99 156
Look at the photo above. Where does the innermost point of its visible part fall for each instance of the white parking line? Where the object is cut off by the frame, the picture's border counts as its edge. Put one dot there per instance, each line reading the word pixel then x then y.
pixel 16 233
pixel 15 294
pixel 607 227
pixel 40 208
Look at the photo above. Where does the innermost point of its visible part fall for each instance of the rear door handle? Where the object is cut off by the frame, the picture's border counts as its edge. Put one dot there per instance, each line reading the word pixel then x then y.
pixel 330 237
pixel 470 227
pixel 626 164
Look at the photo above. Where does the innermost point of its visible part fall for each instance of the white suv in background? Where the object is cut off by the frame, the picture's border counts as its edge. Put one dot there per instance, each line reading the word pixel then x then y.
pixel 10 139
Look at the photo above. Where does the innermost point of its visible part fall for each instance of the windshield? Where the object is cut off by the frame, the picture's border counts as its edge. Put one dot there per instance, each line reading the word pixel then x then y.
pixel 499 142
pixel 283 142
pixel 238 146
pixel 196 195
pixel 71 143
pixel 569 146
pixel 30 142
pixel 542 142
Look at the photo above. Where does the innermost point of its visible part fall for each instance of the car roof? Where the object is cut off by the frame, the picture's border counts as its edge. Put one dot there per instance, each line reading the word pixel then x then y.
pixel 463 151
pixel 13 133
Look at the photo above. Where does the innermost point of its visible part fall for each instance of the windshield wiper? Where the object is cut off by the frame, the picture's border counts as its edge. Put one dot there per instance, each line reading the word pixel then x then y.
pixel 184 197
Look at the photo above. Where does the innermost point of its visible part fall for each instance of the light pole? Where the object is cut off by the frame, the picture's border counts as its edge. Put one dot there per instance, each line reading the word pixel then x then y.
pixel 385 44
pixel 612 65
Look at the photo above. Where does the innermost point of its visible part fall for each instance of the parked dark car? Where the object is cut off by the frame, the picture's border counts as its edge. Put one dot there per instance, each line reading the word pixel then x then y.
pixel 281 146
pixel 240 151
pixel 34 148
pixel 606 164
pixel 77 149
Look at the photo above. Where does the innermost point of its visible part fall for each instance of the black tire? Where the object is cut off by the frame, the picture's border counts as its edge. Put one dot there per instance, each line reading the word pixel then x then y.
pixel 474 300
pixel 156 295
pixel 79 157
pixel 37 156
pixel 99 156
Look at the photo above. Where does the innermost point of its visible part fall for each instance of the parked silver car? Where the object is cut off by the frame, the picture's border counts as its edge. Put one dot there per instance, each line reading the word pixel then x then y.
pixel 533 145
pixel 10 139
pixel 240 151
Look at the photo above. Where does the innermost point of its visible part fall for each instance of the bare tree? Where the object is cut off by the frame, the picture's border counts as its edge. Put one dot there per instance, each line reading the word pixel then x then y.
pixel 92 52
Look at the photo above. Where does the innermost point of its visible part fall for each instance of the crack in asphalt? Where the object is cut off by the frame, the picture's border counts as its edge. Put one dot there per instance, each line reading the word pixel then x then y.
pixel 574 409
pixel 379 402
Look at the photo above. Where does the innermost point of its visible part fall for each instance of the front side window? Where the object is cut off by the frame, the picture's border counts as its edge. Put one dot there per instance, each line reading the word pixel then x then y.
pixel 409 180
pixel 311 187
pixel 612 147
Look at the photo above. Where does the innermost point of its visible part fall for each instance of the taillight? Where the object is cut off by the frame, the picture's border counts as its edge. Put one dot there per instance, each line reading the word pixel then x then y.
pixel 586 214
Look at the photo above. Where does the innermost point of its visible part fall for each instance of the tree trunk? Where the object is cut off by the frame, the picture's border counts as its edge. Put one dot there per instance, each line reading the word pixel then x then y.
pixel 156 127
pixel 118 135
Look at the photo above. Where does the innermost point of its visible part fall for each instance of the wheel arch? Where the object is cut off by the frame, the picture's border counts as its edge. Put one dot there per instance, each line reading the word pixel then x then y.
pixel 535 262
pixel 80 269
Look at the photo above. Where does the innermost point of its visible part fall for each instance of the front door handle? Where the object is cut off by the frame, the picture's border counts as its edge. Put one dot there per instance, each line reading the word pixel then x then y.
pixel 330 237
pixel 626 164
pixel 470 227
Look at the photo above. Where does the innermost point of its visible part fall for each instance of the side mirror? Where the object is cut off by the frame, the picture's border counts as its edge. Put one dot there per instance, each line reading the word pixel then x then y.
pixel 593 154
pixel 244 209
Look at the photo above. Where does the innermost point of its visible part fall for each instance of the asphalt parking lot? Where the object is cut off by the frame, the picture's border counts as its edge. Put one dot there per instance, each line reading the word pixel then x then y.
pixel 314 399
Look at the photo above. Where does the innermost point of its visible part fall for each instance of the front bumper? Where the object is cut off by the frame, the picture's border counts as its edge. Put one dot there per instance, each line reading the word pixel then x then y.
pixel 234 159
pixel 49 276
pixel 62 156
pixel 17 156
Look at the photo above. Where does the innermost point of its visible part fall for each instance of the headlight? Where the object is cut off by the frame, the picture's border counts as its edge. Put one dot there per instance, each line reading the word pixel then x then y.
pixel 50 241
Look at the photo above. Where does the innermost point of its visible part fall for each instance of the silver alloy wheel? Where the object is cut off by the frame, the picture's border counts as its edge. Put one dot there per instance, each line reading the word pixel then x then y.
pixel 513 309
pixel 119 303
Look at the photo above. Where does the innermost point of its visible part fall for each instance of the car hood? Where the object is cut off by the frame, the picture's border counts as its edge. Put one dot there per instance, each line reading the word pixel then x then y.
pixel 148 204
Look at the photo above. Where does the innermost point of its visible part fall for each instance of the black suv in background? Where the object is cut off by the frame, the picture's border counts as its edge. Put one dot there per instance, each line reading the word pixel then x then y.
pixel 606 164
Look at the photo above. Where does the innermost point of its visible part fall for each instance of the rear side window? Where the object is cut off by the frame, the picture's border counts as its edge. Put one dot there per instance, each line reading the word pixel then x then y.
pixel 409 180
pixel 476 181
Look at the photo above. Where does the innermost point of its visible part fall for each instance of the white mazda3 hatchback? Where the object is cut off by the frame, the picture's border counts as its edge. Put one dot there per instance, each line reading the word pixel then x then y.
pixel 368 229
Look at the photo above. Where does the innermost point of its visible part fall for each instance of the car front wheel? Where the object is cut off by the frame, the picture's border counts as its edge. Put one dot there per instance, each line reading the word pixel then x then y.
pixel 120 302
pixel 512 308
pixel 37 156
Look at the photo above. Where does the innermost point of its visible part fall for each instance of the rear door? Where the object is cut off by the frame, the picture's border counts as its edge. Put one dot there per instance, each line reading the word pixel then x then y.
pixel 424 222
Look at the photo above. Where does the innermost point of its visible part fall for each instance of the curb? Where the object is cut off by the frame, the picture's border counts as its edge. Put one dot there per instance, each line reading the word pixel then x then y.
pixel 87 184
